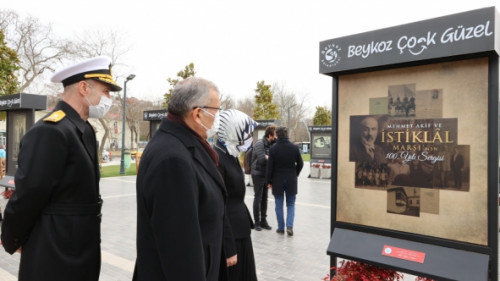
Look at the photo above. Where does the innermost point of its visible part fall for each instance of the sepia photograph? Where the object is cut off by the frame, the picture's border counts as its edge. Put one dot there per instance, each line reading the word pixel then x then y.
pixel 365 139
pixel 401 100
pixel 424 151
pixel 404 201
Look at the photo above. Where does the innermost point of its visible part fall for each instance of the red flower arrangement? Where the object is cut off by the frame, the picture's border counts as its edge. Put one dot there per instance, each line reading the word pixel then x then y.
pixel 358 271
pixel 7 193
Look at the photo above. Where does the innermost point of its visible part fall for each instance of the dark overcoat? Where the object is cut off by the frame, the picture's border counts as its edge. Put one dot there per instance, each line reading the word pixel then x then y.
pixel 240 220
pixel 180 209
pixel 284 166
pixel 54 213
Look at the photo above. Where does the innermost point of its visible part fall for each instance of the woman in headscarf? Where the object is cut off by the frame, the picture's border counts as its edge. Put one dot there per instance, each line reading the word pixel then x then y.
pixel 234 137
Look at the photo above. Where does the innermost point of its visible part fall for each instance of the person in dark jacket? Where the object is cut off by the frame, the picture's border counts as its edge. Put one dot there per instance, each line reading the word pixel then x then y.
pixel 283 168
pixel 180 192
pixel 53 217
pixel 235 137
pixel 457 166
pixel 260 156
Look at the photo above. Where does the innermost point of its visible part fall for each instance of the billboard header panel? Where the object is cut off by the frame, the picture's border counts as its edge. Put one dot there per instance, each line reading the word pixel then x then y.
pixel 459 34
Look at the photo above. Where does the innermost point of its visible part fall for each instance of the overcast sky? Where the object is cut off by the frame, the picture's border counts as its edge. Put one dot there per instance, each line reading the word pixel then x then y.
pixel 233 43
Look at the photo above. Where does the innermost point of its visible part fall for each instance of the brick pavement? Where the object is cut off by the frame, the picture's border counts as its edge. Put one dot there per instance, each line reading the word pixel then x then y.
pixel 301 257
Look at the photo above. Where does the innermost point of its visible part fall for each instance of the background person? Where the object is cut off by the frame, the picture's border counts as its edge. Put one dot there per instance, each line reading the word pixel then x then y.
pixel 3 161
pixel 235 137
pixel 53 217
pixel 180 192
pixel 285 164
pixel 3 154
pixel 260 157
pixel 457 167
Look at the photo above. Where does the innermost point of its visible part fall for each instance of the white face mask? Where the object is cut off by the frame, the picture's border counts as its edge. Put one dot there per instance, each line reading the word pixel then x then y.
pixel 215 126
pixel 244 147
pixel 99 110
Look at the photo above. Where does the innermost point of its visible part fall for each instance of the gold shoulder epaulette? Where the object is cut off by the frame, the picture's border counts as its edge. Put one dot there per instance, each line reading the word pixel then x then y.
pixel 55 117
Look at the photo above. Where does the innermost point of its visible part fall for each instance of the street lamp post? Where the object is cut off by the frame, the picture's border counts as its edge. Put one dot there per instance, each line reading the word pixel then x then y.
pixel 288 121
pixel 122 161
pixel 307 129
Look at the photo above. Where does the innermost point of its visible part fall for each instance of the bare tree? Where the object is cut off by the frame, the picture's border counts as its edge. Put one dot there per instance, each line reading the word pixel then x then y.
pixel 246 105
pixel 289 102
pixel 103 43
pixel 135 108
pixel 99 43
pixel 226 101
pixel 37 46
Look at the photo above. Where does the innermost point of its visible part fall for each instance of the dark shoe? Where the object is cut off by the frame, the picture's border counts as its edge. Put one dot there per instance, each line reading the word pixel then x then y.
pixel 258 228
pixel 289 231
pixel 280 231
pixel 265 225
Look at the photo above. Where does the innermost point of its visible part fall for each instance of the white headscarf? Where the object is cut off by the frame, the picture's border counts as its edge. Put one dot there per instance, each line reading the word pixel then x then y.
pixel 235 127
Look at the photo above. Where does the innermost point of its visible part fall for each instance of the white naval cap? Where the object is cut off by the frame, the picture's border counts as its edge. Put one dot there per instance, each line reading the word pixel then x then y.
pixel 98 68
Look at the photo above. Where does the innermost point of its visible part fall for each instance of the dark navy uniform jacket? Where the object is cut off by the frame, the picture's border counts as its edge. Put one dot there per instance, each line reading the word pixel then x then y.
pixel 54 212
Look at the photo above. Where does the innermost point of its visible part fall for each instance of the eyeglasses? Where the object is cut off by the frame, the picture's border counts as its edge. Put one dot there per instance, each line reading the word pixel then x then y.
pixel 209 107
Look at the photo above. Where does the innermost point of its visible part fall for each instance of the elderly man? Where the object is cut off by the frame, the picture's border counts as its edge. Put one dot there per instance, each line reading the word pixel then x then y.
pixel 53 218
pixel 365 148
pixel 180 192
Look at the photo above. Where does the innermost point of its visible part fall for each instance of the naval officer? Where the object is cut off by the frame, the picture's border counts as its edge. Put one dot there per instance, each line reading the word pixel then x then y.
pixel 53 217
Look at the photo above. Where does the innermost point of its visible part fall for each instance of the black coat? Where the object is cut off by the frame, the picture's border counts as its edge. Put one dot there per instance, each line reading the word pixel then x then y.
pixel 54 212
pixel 284 165
pixel 259 160
pixel 180 209
pixel 240 221
pixel 457 163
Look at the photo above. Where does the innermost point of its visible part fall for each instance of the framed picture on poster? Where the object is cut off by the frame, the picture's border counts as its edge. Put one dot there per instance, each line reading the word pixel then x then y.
pixel 420 166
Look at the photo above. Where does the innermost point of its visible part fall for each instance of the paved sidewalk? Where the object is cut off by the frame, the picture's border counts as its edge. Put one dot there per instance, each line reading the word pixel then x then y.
pixel 301 257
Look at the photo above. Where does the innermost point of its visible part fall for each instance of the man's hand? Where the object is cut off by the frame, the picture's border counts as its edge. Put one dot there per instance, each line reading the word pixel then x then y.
pixel 232 260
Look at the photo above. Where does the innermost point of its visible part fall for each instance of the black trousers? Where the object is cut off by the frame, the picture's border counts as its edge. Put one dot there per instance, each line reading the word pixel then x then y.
pixel 260 200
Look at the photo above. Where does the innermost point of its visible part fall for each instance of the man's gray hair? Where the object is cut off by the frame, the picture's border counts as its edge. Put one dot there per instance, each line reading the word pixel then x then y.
pixel 282 132
pixel 189 93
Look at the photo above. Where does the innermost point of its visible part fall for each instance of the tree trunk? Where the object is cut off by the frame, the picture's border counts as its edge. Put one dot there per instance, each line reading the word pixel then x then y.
pixel 104 138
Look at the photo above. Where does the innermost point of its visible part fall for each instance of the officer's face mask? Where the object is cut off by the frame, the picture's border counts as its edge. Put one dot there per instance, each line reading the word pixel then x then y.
pixel 99 110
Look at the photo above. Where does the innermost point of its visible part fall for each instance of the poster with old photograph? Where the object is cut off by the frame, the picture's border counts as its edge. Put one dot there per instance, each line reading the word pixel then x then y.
pixel 407 158
pixel 321 146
